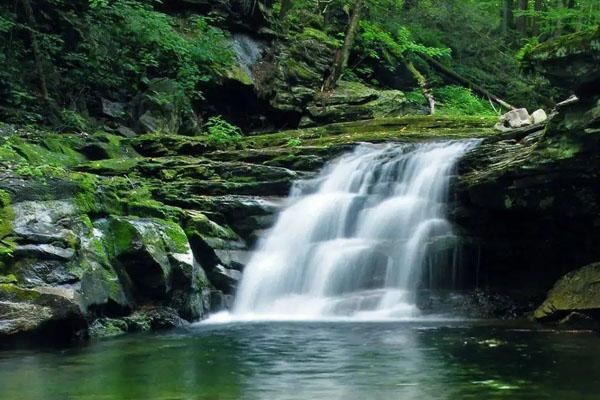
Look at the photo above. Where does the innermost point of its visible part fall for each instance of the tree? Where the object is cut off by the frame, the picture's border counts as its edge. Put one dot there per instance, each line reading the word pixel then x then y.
pixel 522 19
pixel 342 55
pixel 286 6
pixel 410 4
pixel 507 16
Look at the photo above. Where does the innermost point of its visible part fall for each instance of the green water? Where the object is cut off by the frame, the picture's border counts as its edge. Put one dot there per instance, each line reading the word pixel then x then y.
pixel 450 360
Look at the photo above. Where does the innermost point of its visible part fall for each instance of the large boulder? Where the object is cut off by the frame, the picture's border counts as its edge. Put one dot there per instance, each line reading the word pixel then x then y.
pixel 43 314
pixel 576 292
pixel 156 262
pixel 570 61
pixel 352 101
pixel 163 107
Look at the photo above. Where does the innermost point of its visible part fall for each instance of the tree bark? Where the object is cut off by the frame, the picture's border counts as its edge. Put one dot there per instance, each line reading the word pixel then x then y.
pixel 507 16
pixel 453 75
pixel 522 19
pixel 422 84
pixel 340 61
pixel 35 50
pixel 535 26
pixel 286 6
pixel 410 4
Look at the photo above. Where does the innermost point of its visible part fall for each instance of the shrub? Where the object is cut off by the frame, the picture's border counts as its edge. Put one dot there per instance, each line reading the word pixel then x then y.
pixel 222 133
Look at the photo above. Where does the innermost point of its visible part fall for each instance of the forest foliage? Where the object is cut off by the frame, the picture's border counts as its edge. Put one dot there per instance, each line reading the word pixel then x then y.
pixel 60 57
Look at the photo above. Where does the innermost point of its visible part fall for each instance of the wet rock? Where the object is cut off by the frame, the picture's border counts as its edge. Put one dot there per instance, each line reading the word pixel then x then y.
pixel 158 262
pixel 220 301
pixel 570 61
pixel 45 316
pixel 165 108
pixel 44 251
pixel 114 109
pixel 45 222
pixel 579 321
pixel 145 320
pixel 40 272
pixel 225 278
pixel 578 291
pixel 352 101
pixel 478 303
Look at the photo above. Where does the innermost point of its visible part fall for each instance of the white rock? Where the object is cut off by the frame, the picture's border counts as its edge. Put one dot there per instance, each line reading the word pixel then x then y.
pixel 514 119
pixel 538 116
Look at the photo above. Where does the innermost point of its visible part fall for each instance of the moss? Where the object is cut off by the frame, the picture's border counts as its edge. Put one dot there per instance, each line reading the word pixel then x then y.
pixel 107 327
pixel 113 166
pixel 579 42
pixel 198 224
pixel 299 70
pixel 10 279
pixel 320 36
pixel 175 237
pixel 12 292
pixel 154 209
pixel 122 235
pixel 382 129
pixel 7 215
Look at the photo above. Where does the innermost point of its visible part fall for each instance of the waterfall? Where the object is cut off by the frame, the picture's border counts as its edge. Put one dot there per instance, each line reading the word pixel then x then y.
pixel 247 51
pixel 352 242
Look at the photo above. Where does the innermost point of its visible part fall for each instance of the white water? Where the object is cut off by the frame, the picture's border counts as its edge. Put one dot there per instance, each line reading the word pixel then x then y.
pixel 247 51
pixel 351 244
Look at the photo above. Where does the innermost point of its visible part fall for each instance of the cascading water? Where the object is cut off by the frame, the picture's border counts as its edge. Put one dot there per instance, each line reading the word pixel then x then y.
pixel 351 243
pixel 248 52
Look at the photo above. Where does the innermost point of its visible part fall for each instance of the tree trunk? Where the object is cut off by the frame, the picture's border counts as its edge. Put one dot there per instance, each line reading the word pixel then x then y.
pixel 507 16
pixel 422 84
pixel 35 51
pixel 410 4
pixel 483 92
pixel 522 19
pixel 340 61
pixel 286 6
pixel 538 7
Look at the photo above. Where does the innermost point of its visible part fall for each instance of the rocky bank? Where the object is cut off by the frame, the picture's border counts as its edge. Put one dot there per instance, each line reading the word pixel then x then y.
pixel 106 233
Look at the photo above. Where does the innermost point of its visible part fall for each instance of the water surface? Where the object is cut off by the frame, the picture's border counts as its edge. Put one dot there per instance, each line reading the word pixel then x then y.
pixel 318 360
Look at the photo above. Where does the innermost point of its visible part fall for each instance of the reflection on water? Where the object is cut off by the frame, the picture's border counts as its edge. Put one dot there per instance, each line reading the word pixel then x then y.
pixel 419 360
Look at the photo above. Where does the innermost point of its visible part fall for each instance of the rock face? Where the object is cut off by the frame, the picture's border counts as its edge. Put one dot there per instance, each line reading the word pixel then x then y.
pixel 45 315
pixel 570 62
pixel 352 101
pixel 526 199
pixel 576 292
pixel 292 73
pixel 105 234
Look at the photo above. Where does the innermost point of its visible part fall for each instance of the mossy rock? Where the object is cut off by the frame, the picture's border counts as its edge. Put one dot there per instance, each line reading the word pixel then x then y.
pixel 578 291
pixel 570 61
pixel 43 315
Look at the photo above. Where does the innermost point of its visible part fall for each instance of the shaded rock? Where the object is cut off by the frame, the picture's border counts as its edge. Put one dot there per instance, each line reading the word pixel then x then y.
pixel 579 321
pixel 578 291
pixel 353 101
pixel 145 320
pixel 570 61
pixel 114 109
pixel 45 251
pixel 45 316
pixel 224 278
pixel 165 108
pixel 157 263
pixel 220 301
